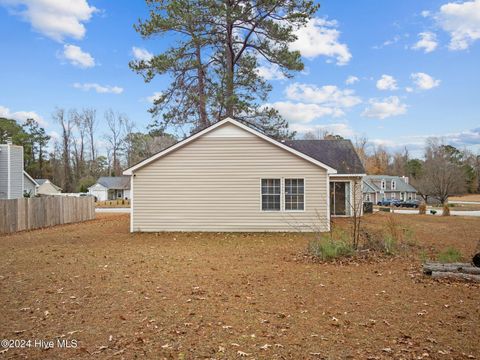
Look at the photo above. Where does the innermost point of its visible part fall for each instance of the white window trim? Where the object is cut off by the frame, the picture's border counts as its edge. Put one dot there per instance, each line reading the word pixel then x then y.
pixel 383 184
pixel 282 195
pixel 281 192
pixel 304 194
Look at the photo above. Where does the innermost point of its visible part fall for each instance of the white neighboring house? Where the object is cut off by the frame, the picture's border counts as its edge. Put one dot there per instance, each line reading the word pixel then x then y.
pixel 46 187
pixel 14 181
pixel 30 185
pixel 111 188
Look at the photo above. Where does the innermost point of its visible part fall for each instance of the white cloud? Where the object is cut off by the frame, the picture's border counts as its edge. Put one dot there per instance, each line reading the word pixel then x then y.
pixel 304 113
pixel 462 22
pixel 409 89
pixel 141 54
pixel 154 96
pixel 341 129
pixel 21 116
pixel 308 102
pixel 107 89
pixel 427 42
pixel 77 57
pixel 352 80
pixel 382 109
pixel 56 19
pixel 328 95
pixel 387 82
pixel 424 81
pixel 321 38
pixel 270 72
pixel 425 13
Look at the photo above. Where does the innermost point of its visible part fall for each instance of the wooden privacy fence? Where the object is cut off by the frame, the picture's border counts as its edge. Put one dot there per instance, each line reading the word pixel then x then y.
pixel 39 212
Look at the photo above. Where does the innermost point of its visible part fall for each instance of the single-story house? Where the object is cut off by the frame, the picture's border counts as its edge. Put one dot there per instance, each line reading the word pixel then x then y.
pixel 111 188
pixel 379 187
pixel 231 177
pixel 30 186
pixel 46 187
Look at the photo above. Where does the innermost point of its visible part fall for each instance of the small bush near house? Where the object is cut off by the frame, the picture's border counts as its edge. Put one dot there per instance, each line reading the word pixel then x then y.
pixel 422 209
pixel 331 246
pixel 449 255
pixel 433 212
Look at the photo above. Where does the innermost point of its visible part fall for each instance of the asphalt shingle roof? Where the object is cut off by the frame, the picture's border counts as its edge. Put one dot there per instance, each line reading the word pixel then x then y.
pixel 115 182
pixel 373 181
pixel 338 154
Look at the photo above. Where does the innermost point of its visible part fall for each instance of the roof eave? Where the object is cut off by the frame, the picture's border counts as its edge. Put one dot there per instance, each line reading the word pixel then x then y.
pixel 132 169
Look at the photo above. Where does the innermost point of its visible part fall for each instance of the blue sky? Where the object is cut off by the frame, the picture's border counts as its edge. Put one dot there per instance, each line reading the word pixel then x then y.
pixel 413 67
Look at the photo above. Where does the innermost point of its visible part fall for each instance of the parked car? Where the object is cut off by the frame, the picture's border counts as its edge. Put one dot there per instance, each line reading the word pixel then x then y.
pixel 389 202
pixel 411 203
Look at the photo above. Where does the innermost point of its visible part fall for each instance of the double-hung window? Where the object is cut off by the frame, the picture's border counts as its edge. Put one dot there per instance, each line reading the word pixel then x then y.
pixel 283 194
pixel 271 193
pixel 294 194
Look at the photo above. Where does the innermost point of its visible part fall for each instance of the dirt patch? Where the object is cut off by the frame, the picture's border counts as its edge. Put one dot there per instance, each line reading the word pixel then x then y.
pixel 194 295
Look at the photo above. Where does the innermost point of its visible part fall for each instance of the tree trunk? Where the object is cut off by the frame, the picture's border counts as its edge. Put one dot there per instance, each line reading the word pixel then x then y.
pixel 202 98
pixel 230 68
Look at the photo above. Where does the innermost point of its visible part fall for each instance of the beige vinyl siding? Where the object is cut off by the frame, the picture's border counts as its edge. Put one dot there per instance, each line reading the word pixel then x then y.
pixel 213 184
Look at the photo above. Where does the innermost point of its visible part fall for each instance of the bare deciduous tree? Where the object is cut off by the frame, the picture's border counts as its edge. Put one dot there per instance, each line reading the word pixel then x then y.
pixel 114 138
pixel 66 123
pixel 441 175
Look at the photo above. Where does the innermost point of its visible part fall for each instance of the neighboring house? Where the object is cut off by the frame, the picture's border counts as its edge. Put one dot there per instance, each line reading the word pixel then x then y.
pixel 111 188
pixel 230 177
pixel 46 187
pixel 30 186
pixel 11 171
pixel 378 187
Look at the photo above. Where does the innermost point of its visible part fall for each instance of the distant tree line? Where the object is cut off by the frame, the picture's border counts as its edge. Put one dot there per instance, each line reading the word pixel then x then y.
pixel 80 154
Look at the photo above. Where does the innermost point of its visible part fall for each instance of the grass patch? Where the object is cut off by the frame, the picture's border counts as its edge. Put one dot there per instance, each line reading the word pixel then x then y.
pixel 449 255
pixel 331 246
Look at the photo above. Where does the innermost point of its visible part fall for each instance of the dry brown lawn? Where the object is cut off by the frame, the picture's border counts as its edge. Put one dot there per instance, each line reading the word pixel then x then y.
pixel 225 296
pixel 467 197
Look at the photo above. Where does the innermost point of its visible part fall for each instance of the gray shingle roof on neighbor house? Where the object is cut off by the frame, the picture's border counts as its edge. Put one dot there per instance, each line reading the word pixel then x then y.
pixel 338 154
pixel 373 181
pixel 115 182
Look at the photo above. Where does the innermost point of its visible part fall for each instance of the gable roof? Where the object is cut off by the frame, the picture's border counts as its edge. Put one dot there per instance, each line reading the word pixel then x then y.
pixel 27 175
pixel 115 182
pixel 373 181
pixel 43 181
pixel 166 151
pixel 339 154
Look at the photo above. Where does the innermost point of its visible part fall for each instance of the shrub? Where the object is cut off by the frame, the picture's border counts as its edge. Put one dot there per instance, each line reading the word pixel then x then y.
pixel 433 212
pixel 449 255
pixel 331 246
pixel 422 209
pixel 446 210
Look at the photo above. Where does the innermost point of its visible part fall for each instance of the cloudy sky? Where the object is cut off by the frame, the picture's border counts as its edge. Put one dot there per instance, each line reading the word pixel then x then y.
pixel 393 71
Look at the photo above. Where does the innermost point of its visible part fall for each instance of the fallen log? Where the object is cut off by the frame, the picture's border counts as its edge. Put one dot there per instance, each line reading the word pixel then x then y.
pixel 465 268
pixel 455 276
